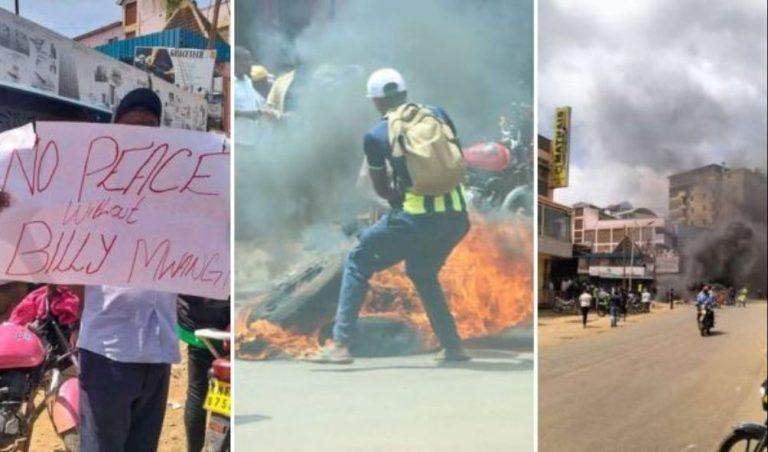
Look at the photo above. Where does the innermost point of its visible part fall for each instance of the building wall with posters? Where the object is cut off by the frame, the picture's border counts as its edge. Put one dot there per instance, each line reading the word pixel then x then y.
pixel 554 225
pixel 62 71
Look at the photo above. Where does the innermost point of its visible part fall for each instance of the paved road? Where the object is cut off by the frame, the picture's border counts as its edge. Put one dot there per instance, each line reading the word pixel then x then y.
pixel 388 404
pixel 654 386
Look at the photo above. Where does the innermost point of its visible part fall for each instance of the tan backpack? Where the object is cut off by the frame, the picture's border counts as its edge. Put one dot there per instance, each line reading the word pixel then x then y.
pixel 432 152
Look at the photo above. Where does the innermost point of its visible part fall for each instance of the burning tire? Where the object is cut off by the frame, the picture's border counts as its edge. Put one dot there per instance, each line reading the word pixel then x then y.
pixel 304 301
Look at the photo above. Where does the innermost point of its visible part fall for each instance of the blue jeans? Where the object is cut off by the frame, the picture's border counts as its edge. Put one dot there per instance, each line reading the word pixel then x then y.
pixel 424 242
pixel 614 315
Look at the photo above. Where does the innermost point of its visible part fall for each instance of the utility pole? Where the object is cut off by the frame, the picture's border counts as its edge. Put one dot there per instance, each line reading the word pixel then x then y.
pixel 17 7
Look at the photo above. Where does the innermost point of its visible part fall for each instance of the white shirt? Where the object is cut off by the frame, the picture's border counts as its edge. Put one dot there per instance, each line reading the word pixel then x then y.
pixel 585 300
pixel 247 99
pixel 646 297
pixel 130 325
pixel 246 96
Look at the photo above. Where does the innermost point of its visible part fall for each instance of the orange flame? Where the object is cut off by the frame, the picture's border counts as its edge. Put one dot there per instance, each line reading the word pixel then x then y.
pixel 488 282
pixel 266 340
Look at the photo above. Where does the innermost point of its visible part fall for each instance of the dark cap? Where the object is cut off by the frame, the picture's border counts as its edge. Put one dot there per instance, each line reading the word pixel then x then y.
pixel 139 98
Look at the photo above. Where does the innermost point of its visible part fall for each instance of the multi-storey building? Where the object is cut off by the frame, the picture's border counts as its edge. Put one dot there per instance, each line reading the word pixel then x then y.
pixel 702 197
pixel 602 229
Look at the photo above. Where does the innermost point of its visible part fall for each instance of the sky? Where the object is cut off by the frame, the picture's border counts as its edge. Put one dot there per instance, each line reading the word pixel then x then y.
pixel 63 18
pixel 656 87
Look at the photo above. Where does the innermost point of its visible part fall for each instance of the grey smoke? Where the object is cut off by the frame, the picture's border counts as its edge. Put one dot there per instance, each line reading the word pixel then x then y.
pixel 667 87
pixel 472 58
pixel 734 251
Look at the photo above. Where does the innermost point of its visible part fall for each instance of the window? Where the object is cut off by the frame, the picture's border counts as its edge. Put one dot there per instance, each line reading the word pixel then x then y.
pixel 578 224
pixel 578 235
pixel 579 211
pixel 130 34
pixel 130 13
pixel 603 236
pixel 589 236
pixel 617 234
pixel 557 224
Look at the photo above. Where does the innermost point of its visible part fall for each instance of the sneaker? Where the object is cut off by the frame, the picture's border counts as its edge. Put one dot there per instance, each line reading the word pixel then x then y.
pixel 331 354
pixel 456 355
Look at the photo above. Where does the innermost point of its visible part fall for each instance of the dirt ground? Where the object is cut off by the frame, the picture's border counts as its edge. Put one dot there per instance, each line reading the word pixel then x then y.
pixel 172 439
pixel 556 329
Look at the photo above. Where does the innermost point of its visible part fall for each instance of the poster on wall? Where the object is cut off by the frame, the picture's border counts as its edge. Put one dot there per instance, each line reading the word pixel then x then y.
pixel 189 69
pixel 37 60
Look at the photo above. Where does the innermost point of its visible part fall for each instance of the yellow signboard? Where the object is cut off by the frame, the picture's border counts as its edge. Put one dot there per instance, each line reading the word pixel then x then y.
pixel 560 147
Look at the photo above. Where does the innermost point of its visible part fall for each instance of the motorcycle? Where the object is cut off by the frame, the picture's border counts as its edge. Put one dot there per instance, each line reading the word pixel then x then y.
pixel 565 306
pixel 499 174
pixel 38 356
pixel 749 431
pixel 218 399
pixel 706 319
pixel 603 305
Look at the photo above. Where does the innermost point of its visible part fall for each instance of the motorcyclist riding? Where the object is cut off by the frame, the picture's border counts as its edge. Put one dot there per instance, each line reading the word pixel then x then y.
pixel 707 300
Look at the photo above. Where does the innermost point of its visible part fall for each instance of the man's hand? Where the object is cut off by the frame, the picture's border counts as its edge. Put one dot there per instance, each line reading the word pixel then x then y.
pixel 5 200
pixel 383 186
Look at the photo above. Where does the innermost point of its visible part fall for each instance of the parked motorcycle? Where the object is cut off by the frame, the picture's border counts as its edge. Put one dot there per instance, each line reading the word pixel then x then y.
pixel 565 306
pixel 218 400
pixel 748 433
pixel 499 173
pixel 38 356
pixel 706 319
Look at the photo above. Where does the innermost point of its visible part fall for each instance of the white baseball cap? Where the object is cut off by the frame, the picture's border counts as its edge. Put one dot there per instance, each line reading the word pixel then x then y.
pixel 381 78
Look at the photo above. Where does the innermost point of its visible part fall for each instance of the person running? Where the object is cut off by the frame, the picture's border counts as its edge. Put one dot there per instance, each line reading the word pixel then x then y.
pixel 585 302
pixel 742 298
pixel 422 229
pixel 624 300
pixel 646 299
pixel 615 307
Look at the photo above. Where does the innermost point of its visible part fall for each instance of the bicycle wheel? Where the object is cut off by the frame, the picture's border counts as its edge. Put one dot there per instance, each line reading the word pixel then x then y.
pixel 741 441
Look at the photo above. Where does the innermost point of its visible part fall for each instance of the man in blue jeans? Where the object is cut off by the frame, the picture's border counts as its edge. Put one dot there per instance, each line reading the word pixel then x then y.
pixel 421 230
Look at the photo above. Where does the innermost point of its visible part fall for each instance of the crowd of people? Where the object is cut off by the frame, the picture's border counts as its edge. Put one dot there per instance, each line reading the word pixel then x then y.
pixel 613 299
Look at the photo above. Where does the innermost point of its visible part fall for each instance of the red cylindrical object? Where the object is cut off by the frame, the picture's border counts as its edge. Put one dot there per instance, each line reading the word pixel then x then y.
pixel 488 156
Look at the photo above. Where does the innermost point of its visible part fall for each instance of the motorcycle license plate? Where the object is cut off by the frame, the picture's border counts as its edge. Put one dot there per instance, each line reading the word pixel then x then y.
pixel 218 398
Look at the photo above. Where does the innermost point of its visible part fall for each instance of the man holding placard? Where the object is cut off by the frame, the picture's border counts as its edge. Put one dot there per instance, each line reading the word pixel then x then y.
pixel 127 343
